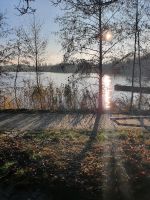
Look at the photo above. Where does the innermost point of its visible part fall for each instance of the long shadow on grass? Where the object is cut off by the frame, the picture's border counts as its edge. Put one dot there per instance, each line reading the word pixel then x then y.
pixel 19 180
pixel 23 161
pixel 84 119
pixel 42 121
pixel 25 121
pixel 141 120
pixel 75 164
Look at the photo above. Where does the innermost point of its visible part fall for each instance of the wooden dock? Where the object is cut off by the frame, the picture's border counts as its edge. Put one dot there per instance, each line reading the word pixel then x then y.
pixel 125 88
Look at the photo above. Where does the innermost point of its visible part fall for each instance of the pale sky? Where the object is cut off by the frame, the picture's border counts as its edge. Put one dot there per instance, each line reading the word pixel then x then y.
pixel 46 14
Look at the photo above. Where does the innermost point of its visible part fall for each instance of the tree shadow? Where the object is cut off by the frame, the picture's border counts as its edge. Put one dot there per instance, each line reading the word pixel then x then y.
pixel 17 180
pixel 23 184
pixel 96 126
pixel 75 164
pixel 44 120
pixel 141 120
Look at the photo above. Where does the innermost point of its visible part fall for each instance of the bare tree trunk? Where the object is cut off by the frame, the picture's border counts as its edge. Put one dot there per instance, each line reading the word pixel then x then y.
pixel 135 52
pixel 36 64
pixel 133 72
pixel 15 82
pixel 100 104
pixel 140 71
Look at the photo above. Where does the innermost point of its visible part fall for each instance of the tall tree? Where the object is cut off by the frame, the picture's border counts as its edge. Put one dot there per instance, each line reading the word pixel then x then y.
pixel 21 56
pixel 85 28
pixel 36 48
pixel 6 46
pixel 141 25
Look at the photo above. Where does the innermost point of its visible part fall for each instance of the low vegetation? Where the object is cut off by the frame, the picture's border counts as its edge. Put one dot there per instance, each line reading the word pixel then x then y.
pixel 69 163
pixel 65 97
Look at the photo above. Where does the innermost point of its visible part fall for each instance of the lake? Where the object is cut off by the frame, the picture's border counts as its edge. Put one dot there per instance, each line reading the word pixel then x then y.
pixel 82 83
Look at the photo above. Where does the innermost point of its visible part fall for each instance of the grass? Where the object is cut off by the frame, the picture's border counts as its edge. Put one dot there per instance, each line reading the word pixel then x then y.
pixel 50 157
pixel 70 160
pixel 136 147
pixel 6 166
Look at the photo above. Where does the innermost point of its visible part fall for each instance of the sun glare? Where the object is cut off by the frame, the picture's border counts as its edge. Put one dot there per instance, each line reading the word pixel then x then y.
pixel 108 36
pixel 107 91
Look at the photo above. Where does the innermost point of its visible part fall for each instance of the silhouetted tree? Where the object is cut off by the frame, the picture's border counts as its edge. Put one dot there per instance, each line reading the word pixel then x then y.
pixel 36 47
pixel 6 45
pixel 85 27
pixel 21 56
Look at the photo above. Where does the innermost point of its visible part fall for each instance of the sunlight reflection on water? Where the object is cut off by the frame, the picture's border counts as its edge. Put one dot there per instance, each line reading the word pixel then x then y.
pixel 107 90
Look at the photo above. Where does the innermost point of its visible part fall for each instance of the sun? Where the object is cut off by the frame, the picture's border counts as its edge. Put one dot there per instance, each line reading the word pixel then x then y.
pixel 107 36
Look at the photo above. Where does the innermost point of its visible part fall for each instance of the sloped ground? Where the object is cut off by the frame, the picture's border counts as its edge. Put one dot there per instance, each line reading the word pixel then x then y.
pixel 24 121
pixel 67 164
pixel 44 120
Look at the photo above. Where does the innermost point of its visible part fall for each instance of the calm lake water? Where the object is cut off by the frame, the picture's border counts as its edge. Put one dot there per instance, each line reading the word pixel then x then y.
pixel 90 83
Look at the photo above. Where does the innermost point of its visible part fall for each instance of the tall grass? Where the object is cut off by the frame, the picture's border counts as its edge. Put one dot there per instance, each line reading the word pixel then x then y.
pixel 50 97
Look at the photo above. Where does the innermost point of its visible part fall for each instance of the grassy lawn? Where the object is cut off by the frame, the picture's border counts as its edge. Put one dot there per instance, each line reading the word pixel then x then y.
pixel 68 164
pixel 137 162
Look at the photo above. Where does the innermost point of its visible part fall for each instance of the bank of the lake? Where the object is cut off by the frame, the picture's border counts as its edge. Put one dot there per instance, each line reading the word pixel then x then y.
pixel 83 85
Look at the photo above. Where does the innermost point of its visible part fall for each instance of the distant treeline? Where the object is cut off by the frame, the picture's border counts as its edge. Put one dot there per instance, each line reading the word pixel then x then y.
pixel 60 68
pixel 63 68
pixel 115 67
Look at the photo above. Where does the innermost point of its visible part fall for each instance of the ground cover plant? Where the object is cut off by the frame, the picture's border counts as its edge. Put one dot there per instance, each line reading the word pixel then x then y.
pixel 54 158
pixel 137 149
pixel 69 164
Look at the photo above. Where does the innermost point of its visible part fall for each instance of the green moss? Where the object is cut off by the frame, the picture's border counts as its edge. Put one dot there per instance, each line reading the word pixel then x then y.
pixel 123 135
pixel 101 137
pixel 57 135
pixel 5 168
pixel 20 172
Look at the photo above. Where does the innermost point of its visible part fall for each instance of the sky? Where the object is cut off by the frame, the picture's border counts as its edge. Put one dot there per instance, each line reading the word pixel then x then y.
pixel 46 14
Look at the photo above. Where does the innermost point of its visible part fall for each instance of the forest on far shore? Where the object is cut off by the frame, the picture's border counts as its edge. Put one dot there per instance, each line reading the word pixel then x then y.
pixel 116 67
